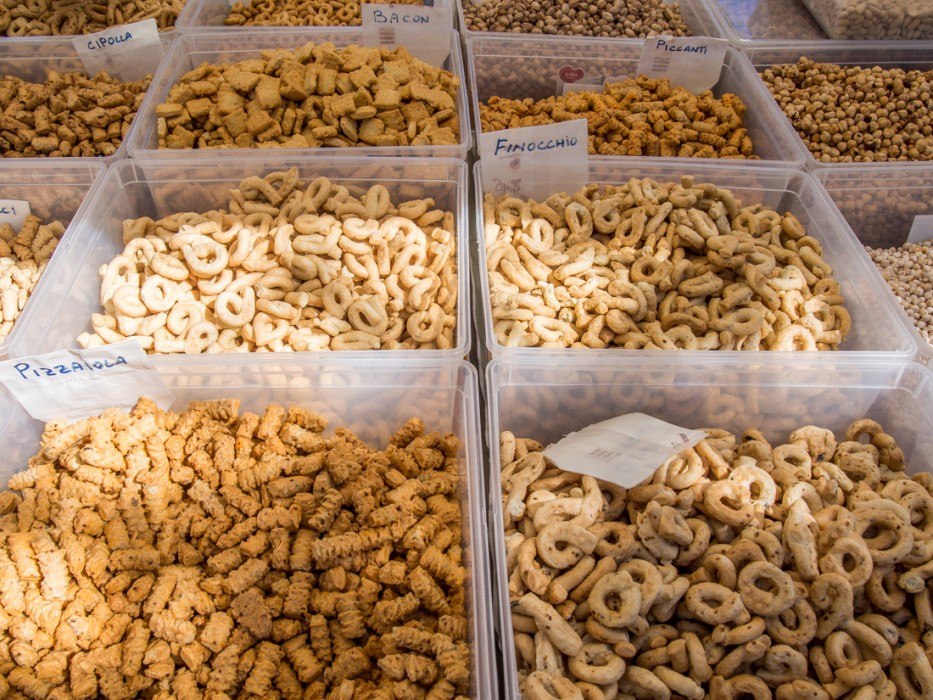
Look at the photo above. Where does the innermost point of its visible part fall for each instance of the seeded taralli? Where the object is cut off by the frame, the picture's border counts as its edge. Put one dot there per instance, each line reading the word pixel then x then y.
pixel 69 114
pixel 633 19
pixel 637 117
pixel 218 554
pixel 908 270
pixel 287 267
pixel 853 114
pixel 650 265
pixel 313 96
pixel 300 13
pixel 23 258
pixel 741 568
pixel 63 17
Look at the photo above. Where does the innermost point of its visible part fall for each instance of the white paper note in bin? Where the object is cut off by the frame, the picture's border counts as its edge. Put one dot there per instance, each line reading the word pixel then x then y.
pixel 423 30
pixel 692 62
pixel 127 52
pixel 624 450
pixel 77 384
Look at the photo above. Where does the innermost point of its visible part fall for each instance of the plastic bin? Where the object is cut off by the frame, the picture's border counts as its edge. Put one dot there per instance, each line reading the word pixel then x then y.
pixel 169 34
pixel 157 187
pixel 747 22
pixel 909 55
pixel 547 401
pixel 696 14
pixel 212 13
pixel 519 67
pixel 879 204
pixel 31 59
pixel 194 48
pixel 878 329
pixel 55 190
pixel 373 401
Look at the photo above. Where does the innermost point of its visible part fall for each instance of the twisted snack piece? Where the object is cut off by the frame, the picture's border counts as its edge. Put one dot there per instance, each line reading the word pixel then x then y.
pixel 794 570
pixel 657 265
pixel 193 573
pixel 286 267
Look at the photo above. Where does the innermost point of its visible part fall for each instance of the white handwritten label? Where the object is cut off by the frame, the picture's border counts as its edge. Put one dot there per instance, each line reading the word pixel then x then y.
pixel 535 161
pixel 424 30
pixel 127 52
pixel 14 212
pixel 567 88
pixel 625 450
pixel 922 229
pixel 76 384
pixel 693 62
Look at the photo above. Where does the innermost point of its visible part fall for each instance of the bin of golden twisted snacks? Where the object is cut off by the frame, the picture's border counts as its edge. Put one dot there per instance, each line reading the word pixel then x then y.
pixel 759 563
pixel 283 92
pixel 40 18
pixel 216 551
pixel 519 81
pixel 679 262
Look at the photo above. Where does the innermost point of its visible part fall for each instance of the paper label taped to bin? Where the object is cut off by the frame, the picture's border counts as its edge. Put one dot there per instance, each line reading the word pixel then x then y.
pixel 424 31
pixel 14 212
pixel 127 52
pixel 625 450
pixel 921 229
pixel 693 62
pixel 535 161
pixel 76 384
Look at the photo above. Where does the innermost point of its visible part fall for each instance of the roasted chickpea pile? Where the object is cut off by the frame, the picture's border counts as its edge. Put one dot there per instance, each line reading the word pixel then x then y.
pixel 853 114
pixel 218 554
pixel 299 13
pixel 63 17
pixel 650 265
pixel 287 267
pixel 740 569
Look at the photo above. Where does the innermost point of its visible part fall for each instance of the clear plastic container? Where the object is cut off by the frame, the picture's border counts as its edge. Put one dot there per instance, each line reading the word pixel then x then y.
pixel 523 66
pixel 909 55
pixel 212 13
pixel 879 330
pixel 880 205
pixel 168 34
pixel 373 401
pixel 55 190
pixel 874 19
pixel 747 22
pixel 220 46
pixel 157 188
pixel 697 16
pixel 547 401
pixel 31 59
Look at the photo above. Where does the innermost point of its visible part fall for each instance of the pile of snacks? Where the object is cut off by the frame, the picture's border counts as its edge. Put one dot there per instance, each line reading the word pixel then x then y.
pixel 657 265
pixel 636 117
pixel 316 95
pixel 286 267
pixel 908 270
pixel 740 569
pixel 62 17
pixel 209 553
pixel 69 114
pixel 874 19
pixel 634 19
pixel 852 114
pixel 299 13
pixel 23 258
